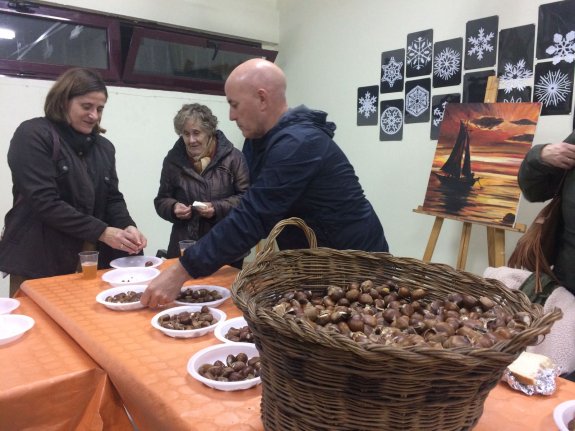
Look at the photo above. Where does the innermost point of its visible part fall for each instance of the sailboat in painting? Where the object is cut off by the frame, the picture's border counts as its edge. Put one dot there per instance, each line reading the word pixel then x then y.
pixel 456 172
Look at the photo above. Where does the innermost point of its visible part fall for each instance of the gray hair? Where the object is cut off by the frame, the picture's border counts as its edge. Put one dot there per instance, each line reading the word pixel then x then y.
pixel 195 111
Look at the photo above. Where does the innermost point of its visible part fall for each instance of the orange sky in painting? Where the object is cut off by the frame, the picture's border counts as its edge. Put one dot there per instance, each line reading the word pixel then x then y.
pixel 492 150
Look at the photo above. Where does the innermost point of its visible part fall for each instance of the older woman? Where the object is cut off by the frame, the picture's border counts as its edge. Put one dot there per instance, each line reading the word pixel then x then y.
pixel 203 166
pixel 65 187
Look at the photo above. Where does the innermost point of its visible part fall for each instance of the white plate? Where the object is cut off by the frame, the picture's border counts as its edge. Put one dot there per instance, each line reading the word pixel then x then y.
pixel 221 330
pixel 219 315
pixel 220 352
pixel 121 306
pixel 129 276
pixel 13 326
pixel 8 305
pixel 225 293
pixel 136 261
pixel 563 413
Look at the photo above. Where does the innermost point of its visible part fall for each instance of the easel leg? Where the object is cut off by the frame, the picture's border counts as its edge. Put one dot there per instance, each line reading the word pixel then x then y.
pixel 463 246
pixel 496 246
pixel 433 239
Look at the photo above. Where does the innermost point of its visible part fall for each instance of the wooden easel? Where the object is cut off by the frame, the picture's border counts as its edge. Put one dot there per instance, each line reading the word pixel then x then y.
pixel 495 233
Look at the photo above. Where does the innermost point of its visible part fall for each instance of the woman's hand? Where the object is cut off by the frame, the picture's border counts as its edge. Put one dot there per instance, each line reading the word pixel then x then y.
pixel 181 211
pixel 130 240
pixel 207 212
pixel 561 155
pixel 165 287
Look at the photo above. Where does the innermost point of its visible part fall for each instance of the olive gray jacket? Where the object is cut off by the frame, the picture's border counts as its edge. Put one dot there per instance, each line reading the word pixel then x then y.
pixel 223 182
pixel 62 197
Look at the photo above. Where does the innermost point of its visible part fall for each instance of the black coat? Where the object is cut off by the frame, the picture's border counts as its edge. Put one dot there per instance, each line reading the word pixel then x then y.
pixel 65 192
pixel 223 182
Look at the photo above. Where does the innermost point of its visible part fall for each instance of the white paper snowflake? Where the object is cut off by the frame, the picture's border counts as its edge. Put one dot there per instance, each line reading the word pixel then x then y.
pixel 391 120
pixel 513 100
pixel 481 43
pixel 438 114
pixel 392 72
pixel 446 63
pixel 417 101
pixel 563 49
pixel 515 76
pixel 419 53
pixel 367 104
pixel 552 88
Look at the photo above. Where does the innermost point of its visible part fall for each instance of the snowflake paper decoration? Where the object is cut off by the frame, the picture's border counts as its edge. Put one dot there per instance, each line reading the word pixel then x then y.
pixel 563 48
pixel 515 76
pixel 392 72
pixel 552 88
pixel 419 53
pixel 513 100
pixel 438 114
pixel 417 101
pixel 391 120
pixel 446 63
pixel 367 104
pixel 481 44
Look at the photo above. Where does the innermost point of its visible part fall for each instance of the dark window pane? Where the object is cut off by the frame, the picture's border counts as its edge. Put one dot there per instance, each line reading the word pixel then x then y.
pixel 46 41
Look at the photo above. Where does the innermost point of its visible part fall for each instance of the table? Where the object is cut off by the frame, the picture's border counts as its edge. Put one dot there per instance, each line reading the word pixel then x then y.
pixel 48 382
pixel 149 369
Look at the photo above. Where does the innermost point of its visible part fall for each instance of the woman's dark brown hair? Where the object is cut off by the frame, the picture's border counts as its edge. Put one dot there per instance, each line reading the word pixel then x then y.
pixel 72 83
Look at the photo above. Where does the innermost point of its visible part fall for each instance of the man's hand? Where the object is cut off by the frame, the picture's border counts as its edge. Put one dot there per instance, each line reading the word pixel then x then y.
pixel 165 287
pixel 561 155
pixel 130 240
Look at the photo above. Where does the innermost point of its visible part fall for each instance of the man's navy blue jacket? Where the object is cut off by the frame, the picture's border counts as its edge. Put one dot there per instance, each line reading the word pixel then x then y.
pixel 297 170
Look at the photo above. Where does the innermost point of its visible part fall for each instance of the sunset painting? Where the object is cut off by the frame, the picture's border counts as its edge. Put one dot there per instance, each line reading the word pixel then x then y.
pixel 479 151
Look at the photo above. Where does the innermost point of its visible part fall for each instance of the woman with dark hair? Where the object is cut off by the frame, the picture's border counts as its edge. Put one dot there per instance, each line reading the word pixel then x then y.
pixel 65 187
pixel 202 166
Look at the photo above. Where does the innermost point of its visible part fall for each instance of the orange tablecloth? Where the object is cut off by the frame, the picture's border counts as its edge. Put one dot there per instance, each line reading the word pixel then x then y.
pixel 149 369
pixel 49 383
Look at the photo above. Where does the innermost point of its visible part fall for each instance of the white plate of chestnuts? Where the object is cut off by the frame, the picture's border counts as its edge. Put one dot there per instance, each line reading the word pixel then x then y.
pixel 188 321
pixel 203 294
pixel 234 330
pixel 123 298
pixel 227 367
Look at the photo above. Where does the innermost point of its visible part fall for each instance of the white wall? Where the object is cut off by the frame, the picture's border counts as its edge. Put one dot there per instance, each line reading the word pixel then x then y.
pixel 328 48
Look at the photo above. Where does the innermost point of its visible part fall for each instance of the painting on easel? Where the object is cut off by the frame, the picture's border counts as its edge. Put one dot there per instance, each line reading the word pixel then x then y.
pixel 478 154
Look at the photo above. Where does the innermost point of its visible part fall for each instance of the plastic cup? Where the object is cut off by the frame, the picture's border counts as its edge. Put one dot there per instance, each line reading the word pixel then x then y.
pixel 89 263
pixel 184 244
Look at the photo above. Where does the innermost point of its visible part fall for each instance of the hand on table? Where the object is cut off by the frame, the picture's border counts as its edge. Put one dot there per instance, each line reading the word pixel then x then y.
pixel 165 287
pixel 181 211
pixel 130 240
pixel 560 155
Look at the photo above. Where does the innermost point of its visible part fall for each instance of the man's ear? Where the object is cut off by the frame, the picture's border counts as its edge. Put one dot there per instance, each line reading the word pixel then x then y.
pixel 263 98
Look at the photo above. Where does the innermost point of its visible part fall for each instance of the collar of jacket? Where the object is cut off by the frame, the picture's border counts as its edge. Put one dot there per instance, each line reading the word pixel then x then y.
pixel 80 142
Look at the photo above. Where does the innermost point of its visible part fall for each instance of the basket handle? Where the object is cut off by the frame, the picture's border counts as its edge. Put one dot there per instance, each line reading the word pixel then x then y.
pixel 276 230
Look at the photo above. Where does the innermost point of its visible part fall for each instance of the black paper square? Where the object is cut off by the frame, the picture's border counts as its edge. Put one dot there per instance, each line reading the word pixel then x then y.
pixel 391 121
pixel 514 96
pixel 438 105
pixel 417 100
pixel 392 71
pixel 475 85
pixel 554 87
pixel 367 105
pixel 515 59
pixel 419 53
pixel 555 31
pixel 481 42
pixel 447 62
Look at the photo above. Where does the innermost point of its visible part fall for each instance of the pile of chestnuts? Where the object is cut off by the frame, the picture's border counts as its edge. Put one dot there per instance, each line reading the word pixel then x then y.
pixel 125 297
pixel 243 334
pixel 187 320
pixel 390 314
pixel 198 295
pixel 237 368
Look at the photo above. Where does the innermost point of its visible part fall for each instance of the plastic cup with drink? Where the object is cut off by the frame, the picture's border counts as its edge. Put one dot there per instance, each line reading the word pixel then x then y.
pixel 89 263
pixel 184 244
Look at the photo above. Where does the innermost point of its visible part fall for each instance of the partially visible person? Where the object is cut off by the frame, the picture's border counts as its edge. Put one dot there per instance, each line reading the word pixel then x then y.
pixel 539 178
pixel 202 166
pixel 296 169
pixel 65 187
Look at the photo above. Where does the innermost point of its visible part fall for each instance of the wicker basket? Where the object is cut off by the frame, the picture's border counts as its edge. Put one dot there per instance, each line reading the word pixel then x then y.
pixel 316 381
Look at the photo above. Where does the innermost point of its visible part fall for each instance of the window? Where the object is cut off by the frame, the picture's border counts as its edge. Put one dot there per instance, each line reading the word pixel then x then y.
pixel 42 42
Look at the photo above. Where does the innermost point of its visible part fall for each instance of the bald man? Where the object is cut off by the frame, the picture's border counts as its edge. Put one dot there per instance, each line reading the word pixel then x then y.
pixel 296 169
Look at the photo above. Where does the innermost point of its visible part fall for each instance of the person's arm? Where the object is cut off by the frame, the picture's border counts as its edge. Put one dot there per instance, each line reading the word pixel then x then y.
pixel 241 178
